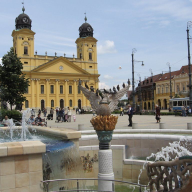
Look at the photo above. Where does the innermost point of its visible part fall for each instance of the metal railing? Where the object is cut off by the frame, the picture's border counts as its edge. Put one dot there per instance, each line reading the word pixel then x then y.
pixel 47 182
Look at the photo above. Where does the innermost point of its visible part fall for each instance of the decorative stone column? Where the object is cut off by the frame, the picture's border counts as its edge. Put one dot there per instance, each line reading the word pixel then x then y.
pixel 37 94
pixel 48 106
pixel 57 93
pixel 66 94
pixel 75 93
pixel 32 94
pixel 105 161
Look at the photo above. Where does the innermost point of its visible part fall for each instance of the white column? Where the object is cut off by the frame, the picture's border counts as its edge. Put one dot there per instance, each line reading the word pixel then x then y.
pixel 105 170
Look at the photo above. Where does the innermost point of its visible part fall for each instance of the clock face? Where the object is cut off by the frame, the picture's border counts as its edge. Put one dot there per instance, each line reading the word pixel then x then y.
pixel 25 20
pixel 88 28
pixel 61 68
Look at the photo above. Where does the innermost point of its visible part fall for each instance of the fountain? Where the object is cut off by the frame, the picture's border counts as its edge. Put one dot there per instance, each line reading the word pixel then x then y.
pixel 29 154
pixel 104 124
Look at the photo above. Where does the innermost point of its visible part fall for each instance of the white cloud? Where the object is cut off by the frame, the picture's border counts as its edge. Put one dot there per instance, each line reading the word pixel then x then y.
pixel 108 77
pixel 102 85
pixel 178 9
pixel 108 47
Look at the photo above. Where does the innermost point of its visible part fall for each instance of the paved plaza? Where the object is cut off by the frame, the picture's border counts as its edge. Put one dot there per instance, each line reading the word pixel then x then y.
pixel 144 122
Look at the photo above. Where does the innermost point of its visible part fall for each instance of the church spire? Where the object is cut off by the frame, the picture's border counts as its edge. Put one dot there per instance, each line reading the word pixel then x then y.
pixel 85 17
pixel 23 9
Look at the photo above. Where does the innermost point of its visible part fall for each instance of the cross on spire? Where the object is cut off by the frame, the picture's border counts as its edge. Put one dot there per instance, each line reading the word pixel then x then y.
pixel 85 17
pixel 23 9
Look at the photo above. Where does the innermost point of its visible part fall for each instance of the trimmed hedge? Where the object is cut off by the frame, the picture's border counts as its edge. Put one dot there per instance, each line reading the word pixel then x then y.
pixel 14 114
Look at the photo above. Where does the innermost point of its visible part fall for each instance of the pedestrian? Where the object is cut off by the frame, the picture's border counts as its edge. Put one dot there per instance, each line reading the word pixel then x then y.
pixel 51 112
pixel 33 112
pixel 69 114
pixel 121 111
pixel 183 111
pixel 57 112
pixel 74 118
pixel 189 110
pixel 130 114
pixel 39 112
pixel 45 112
pixel 77 110
pixel 157 113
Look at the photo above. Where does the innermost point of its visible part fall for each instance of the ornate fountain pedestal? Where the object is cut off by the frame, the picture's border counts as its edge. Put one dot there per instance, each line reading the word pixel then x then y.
pixel 105 161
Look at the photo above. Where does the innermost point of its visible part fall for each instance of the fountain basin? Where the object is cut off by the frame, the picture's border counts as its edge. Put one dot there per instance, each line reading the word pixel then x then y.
pixel 22 162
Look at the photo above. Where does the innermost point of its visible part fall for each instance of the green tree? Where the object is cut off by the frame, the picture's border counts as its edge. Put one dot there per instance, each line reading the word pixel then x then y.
pixel 13 83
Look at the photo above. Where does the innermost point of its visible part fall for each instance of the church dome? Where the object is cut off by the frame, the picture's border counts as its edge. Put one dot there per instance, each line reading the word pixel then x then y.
pixel 23 21
pixel 85 30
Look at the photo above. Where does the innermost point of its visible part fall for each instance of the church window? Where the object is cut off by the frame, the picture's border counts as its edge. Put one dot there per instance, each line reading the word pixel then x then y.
pixel 162 90
pixel 25 50
pixel 70 103
pixel 26 104
pixel 90 56
pixel 22 38
pixel 183 87
pixel 90 66
pixel 79 91
pixel 25 62
pixel 61 89
pixel 158 90
pixel 42 89
pixel 52 103
pixel 52 89
pixel 178 88
pixel 70 89
pixel 166 89
pixel 26 91
pixel 80 55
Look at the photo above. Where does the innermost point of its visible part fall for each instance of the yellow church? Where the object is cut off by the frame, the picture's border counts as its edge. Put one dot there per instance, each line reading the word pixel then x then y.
pixel 54 80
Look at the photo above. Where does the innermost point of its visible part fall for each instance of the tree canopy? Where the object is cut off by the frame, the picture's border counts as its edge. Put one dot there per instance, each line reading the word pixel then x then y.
pixel 13 83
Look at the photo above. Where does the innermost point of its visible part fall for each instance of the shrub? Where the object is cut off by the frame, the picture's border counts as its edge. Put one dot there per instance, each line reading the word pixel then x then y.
pixel 14 114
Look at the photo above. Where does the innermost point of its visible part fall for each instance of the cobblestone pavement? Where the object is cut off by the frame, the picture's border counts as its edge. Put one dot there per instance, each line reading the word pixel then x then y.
pixel 144 122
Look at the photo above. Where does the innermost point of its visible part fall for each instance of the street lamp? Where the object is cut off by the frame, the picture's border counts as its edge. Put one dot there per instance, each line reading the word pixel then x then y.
pixel 168 64
pixel 133 83
pixel 189 63
pixel 140 94
pixel 152 89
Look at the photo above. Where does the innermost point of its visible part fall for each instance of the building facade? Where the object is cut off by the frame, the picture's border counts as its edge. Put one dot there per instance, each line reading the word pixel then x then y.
pixel 54 80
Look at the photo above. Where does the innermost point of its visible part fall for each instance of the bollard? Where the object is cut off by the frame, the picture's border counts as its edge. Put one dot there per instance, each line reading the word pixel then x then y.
pixel 80 127
pixel 189 125
pixel 161 125
pixel 134 125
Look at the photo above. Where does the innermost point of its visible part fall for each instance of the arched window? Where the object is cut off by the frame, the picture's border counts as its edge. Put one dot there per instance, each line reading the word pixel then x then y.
pixel 26 104
pixel 61 89
pixel 52 103
pixel 70 89
pixel 25 50
pixel 70 103
pixel 90 56
pixel 80 55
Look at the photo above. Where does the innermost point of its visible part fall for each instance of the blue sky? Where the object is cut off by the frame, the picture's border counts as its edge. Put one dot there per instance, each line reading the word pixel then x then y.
pixel 157 29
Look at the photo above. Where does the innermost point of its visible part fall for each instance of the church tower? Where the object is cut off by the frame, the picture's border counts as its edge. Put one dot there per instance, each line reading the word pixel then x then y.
pixel 86 44
pixel 23 36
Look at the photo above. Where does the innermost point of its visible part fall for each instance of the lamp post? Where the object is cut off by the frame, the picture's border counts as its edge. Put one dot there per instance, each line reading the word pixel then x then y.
pixel 189 64
pixel 133 83
pixel 152 89
pixel 168 64
pixel 140 94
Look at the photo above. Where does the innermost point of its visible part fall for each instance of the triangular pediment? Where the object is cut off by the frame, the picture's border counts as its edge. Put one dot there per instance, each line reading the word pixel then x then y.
pixel 60 65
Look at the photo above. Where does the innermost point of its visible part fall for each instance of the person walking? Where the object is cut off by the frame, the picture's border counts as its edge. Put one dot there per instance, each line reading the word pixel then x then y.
pixel 69 114
pixel 130 114
pixel 157 113
pixel 51 112
pixel 121 111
